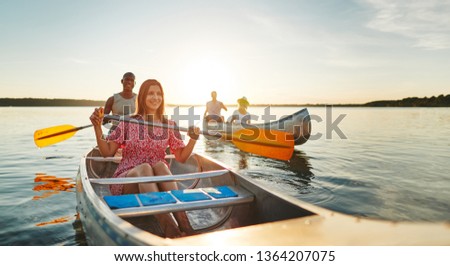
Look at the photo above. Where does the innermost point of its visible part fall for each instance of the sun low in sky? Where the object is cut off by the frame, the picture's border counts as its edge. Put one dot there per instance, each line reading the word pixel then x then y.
pixel 204 74
pixel 272 52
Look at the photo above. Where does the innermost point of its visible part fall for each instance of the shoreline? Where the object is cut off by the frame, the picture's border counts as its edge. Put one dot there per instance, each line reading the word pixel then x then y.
pixel 440 101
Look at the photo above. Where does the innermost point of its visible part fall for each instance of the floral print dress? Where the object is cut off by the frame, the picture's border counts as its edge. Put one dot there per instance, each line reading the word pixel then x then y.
pixel 142 144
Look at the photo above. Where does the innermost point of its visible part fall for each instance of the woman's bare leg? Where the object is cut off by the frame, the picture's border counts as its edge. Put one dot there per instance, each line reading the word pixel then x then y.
pixel 165 220
pixel 161 168
pixel 141 170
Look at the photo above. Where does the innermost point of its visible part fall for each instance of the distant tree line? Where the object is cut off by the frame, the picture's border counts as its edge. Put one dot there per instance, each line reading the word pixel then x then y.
pixel 440 101
pixel 48 102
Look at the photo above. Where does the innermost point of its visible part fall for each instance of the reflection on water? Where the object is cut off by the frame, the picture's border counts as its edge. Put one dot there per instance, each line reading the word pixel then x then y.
pixel 300 171
pixel 218 147
pixel 64 219
pixel 80 237
pixel 57 157
pixel 293 176
pixel 243 164
pixel 214 146
pixel 52 185
pixel 299 164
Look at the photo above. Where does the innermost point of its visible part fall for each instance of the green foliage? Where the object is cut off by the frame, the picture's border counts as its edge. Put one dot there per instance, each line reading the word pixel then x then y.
pixel 48 102
pixel 440 101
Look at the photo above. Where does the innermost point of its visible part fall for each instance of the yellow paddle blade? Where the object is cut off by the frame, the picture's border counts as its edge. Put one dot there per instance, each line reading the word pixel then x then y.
pixel 51 135
pixel 270 143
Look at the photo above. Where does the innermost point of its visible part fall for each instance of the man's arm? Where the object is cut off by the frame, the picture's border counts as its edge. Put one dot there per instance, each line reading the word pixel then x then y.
pixel 109 104
pixel 206 109
pixel 108 108
pixel 224 107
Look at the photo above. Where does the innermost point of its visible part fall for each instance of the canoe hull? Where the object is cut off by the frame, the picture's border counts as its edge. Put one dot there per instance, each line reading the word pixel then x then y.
pixel 298 124
pixel 271 218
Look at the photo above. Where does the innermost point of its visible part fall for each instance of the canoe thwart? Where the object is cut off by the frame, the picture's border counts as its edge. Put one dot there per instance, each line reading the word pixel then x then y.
pixel 157 179
pixel 117 158
pixel 134 205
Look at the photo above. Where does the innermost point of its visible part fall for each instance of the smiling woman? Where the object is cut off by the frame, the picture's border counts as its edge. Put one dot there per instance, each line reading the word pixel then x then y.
pixel 205 75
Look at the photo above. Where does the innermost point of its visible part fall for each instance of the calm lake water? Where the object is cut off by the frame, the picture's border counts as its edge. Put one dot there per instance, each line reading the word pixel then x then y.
pixel 386 163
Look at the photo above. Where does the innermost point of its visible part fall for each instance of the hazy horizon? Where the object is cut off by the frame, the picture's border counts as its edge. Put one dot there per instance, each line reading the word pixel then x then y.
pixel 335 52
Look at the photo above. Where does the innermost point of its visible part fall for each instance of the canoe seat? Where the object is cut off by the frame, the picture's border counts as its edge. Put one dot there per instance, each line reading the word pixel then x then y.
pixel 133 205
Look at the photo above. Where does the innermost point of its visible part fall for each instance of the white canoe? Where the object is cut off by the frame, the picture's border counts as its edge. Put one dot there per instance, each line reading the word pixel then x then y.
pixel 252 215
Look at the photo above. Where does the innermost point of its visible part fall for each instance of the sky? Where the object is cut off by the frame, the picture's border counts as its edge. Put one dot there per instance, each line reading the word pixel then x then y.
pixel 272 52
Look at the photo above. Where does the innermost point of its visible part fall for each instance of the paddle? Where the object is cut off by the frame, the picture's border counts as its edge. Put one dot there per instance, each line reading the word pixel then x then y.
pixel 265 142
pixel 269 143
pixel 51 135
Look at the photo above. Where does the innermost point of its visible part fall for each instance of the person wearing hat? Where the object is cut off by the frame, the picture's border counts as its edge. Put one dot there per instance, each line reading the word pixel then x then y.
pixel 241 115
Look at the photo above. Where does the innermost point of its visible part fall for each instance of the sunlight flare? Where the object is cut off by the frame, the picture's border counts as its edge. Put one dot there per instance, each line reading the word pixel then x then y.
pixel 206 75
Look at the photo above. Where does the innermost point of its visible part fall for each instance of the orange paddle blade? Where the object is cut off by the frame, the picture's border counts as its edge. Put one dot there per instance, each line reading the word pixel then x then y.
pixel 51 135
pixel 270 143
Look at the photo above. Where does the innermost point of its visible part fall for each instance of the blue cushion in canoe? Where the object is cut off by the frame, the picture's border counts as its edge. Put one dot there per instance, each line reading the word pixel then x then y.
pixel 220 192
pixel 121 201
pixel 190 195
pixel 156 198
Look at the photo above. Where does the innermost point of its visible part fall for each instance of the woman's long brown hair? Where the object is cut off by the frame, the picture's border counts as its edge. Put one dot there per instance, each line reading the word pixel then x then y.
pixel 142 96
